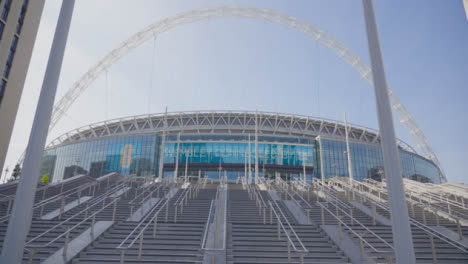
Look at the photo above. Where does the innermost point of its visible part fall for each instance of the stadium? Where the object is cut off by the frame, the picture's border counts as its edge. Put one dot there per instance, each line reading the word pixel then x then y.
pixel 228 143
pixel 232 187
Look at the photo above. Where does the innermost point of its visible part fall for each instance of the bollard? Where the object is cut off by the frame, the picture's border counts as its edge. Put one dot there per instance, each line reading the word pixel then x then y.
pixel 65 246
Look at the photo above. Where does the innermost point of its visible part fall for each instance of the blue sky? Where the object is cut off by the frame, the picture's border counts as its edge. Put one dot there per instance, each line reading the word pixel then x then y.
pixel 244 64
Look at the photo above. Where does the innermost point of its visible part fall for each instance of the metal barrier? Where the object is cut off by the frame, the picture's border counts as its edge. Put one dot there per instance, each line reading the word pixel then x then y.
pixel 302 251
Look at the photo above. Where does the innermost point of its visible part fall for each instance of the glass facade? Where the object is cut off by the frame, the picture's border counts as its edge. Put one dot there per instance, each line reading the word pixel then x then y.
pixel 367 162
pixel 286 157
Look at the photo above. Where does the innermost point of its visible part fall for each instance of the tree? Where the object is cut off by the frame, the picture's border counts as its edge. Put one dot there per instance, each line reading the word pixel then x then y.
pixel 16 173
pixel 45 179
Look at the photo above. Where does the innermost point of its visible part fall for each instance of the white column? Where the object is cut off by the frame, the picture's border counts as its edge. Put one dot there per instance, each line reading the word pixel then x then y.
pixel 245 165
pixel 322 168
pixel 348 152
pixel 163 143
pixel 304 165
pixel 176 171
pixel 20 219
pixel 256 148
pixel 402 238
pixel 186 165
pixel 250 163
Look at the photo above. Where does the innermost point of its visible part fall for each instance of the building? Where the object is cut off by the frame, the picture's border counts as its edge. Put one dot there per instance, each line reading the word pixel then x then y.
pixel 19 22
pixel 216 144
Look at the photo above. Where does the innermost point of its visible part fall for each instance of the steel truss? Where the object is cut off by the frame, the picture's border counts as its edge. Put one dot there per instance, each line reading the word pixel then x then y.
pixel 222 122
pixel 301 26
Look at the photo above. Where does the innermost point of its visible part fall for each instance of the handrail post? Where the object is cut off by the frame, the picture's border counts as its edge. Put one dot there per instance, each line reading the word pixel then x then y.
pixel 141 245
pixel 122 256
pixel 61 208
pixel 65 246
pixel 9 206
pixel 167 210
pixel 361 247
pixel 323 215
pixel 289 251
pixel 437 217
pixel 92 225
pixel 460 234
pixel 175 214
pixel 340 229
pixel 434 253
pixel 154 226
pixel 43 193
pixel 279 234
pixel 374 213
pixel 114 210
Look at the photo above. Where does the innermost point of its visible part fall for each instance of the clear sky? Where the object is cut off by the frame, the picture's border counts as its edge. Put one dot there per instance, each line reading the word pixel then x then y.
pixel 243 64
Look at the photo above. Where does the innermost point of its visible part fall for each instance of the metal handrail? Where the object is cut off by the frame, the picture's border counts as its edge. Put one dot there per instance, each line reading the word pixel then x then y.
pixel 329 192
pixel 304 249
pixel 141 233
pixel 93 215
pixel 97 201
pixel 409 198
pixel 205 235
pixel 359 236
pixel 145 194
pixel 208 221
pixel 121 247
pixel 182 196
pixel 414 222
pixel 49 200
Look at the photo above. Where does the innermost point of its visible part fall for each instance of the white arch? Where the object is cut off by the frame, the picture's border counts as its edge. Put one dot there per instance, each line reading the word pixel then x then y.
pixel 246 12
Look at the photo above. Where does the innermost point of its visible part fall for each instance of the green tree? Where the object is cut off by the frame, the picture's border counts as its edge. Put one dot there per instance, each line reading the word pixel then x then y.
pixel 16 173
pixel 45 179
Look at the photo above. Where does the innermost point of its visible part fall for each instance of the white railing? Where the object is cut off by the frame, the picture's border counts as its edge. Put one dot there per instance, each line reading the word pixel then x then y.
pixel 301 250
pixel 151 217
pixel 220 204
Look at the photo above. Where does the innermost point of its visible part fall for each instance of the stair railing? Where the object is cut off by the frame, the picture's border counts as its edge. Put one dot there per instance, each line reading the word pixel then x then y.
pixel 151 217
pixel 32 248
pixel 386 254
pixel 301 250
pixel 428 230
pixel 220 203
